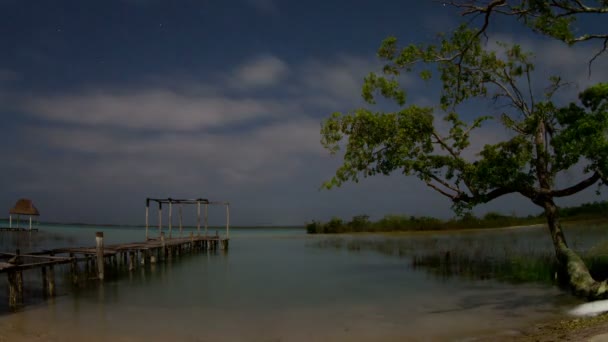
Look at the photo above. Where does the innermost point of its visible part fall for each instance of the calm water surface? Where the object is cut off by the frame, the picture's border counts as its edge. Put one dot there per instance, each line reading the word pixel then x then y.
pixel 284 285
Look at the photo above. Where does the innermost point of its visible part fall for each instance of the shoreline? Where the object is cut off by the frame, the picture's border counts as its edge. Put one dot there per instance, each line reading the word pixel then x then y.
pixel 462 230
pixel 593 328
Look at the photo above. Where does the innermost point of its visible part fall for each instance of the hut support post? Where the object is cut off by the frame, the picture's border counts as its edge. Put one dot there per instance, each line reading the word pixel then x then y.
pixel 30 222
pixel 10 221
pixel 99 250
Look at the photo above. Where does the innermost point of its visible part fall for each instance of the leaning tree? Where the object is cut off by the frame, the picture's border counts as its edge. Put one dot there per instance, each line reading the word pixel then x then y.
pixel 544 140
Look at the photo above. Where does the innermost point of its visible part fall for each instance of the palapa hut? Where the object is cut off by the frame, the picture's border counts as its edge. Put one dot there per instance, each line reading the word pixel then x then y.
pixel 23 206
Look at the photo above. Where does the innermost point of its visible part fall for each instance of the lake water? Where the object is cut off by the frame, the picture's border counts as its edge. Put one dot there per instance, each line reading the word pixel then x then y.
pixel 283 285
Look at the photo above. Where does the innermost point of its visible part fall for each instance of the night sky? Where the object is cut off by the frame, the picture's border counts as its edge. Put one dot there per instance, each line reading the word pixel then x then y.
pixel 105 103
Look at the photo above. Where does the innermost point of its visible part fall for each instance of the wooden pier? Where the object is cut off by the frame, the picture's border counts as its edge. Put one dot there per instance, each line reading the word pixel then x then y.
pixel 100 258
pixel 15 229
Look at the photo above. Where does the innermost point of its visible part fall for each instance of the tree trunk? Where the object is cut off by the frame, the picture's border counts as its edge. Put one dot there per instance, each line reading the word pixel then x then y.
pixel 580 280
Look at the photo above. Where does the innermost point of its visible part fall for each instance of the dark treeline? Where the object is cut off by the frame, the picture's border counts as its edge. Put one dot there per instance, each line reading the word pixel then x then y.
pixel 393 223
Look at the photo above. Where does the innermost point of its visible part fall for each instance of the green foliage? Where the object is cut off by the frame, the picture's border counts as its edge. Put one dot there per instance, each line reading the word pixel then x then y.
pixel 400 223
pixel 556 18
pixel 544 140
pixel 588 210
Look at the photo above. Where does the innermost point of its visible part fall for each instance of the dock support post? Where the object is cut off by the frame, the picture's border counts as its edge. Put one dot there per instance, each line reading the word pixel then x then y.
pixel 99 249
pixel 73 269
pixel 191 242
pixel 145 256
pixel 12 290
pixel 50 280
pixel 45 287
pixel 19 277
pixel 131 261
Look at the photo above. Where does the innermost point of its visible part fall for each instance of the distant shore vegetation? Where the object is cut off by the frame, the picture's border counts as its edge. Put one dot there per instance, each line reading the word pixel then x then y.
pixel 397 223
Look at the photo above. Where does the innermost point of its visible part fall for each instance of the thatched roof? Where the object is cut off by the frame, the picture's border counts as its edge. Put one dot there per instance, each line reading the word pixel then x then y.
pixel 24 206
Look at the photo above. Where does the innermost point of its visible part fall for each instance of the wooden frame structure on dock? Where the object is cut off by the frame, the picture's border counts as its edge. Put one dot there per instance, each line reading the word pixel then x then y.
pixel 198 202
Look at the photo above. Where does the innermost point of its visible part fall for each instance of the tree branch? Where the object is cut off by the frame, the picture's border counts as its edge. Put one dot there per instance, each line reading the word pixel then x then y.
pixel 441 191
pixel 444 183
pixel 582 185
pixel 487 197
pixel 444 145
pixel 599 53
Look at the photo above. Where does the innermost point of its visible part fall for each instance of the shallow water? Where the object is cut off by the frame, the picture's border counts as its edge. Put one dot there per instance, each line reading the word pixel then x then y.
pixel 281 284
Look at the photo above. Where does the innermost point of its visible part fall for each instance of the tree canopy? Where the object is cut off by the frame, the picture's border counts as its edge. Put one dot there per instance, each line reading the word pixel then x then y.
pixel 544 139
pixel 409 141
pixel 559 19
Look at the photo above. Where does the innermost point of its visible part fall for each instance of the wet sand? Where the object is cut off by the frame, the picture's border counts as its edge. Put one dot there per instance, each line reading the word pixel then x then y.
pixel 46 324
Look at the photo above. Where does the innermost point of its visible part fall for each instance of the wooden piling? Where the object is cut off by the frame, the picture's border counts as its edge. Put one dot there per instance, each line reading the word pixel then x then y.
pixel 100 256
pixel 74 269
pixel 50 280
pixel 163 246
pixel 19 277
pixel 131 261
pixel 12 290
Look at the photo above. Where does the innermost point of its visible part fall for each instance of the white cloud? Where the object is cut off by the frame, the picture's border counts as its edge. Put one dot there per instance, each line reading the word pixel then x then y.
pixel 152 109
pixel 339 79
pixel 263 71
pixel 259 155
